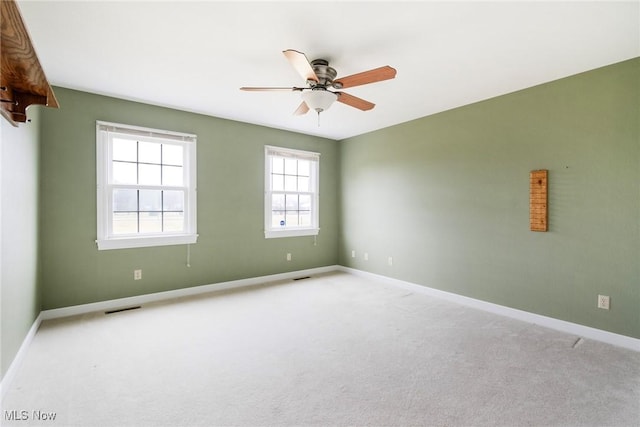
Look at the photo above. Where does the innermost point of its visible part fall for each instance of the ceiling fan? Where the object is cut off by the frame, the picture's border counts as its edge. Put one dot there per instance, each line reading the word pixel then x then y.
pixel 319 77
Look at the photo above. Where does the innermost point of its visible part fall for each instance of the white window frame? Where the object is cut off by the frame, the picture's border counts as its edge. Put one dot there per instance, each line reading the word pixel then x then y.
pixel 106 239
pixel 269 230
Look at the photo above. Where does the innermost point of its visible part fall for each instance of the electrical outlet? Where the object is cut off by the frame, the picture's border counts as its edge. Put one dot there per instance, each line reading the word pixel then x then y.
pixel 366 256
pixel 603 302
pixel 390 260
pixel 353 254
pixel 137 274
pixel 288 257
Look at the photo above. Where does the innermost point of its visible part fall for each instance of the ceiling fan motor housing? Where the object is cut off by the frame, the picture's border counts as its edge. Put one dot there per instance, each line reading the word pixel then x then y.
pixel 324 72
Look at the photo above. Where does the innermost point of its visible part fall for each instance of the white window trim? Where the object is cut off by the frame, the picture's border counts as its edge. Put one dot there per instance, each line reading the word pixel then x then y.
pixel 269 231
pixel 105 239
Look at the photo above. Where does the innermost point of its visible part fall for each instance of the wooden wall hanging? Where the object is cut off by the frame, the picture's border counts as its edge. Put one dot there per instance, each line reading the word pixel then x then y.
pixel 22 80
pixel 538 200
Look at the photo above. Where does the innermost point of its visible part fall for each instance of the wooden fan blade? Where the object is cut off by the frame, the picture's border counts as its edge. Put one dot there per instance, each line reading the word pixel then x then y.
pixel 302 109
pixel 300 62
pixel 271 89
pixel 366 77
pixel 354 101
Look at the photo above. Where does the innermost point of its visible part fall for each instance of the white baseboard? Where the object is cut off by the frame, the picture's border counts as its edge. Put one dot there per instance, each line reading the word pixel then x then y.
pixel 548 322
pixel 178 293
pixel 7 379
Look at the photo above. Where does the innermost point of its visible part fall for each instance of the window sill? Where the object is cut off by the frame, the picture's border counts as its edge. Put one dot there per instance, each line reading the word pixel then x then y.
pixel 273 234
pixel 145 242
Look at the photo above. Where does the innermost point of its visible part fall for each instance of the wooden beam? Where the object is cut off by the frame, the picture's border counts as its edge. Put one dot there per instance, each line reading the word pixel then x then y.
pixel 22 80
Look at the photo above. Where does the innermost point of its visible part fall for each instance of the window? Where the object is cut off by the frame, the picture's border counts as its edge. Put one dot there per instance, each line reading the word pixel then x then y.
pixel 291 192
pixel 146 187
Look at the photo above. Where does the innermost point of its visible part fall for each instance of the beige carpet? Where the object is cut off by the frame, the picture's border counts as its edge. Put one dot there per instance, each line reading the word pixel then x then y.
pixel 332 350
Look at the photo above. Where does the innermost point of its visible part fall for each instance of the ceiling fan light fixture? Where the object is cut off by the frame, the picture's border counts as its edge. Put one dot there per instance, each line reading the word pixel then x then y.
pixel 319 100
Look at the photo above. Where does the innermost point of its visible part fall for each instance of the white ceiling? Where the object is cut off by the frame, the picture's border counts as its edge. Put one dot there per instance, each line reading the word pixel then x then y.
pixel 195 56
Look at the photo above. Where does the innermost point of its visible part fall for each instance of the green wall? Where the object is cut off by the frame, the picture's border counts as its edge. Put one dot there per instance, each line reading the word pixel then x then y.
pixel 230 205
pixel 447 197
pixel 19 290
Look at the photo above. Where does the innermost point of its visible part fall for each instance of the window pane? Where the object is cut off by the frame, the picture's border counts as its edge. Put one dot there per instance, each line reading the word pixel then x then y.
pixel 150 200
pixel 146 187
pixel 277 219
pixel 292 219
pixel 294 182
pixel 125 223
pixel 125 149
pixel 290 183
pixel 305 218
pixel 304 167
pixel 125 200
pixel 124 173
pixel 292 202
pixel 277 182
pixel 149 152
pixel 172 154
pixel 290 166
pixel 303 184
pixel 173 201
pixel 277 165
pixel 149 174
pixel 305 202
pixel 150 222
pixel 173 222
pixel 277 202
pixel 172 175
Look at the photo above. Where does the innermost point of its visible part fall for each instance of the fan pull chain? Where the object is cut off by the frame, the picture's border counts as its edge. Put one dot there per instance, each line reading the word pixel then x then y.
pixel 318 118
